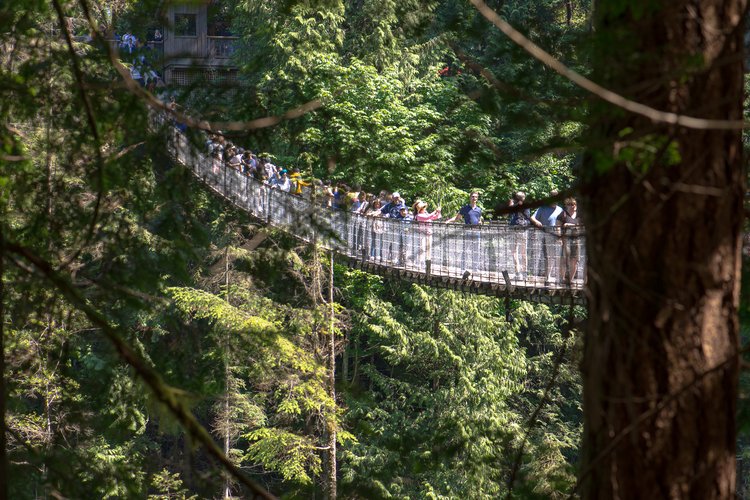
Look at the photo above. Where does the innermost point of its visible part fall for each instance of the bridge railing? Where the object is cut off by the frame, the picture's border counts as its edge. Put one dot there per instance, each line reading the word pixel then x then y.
pixel 487 253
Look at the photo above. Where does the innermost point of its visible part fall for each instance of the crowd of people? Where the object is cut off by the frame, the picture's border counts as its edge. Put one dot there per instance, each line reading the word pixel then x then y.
pixel 142 67
pixel 560 224
pixel 560 240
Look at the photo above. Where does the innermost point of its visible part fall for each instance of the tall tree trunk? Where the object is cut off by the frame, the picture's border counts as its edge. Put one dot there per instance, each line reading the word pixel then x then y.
pixel 227 440
pixel 663 207
pixel 332 466
pixel 227 381
pixel 345 362
pixel 3 432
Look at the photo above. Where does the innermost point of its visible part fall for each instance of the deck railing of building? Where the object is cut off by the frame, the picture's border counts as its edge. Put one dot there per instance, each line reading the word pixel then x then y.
pixel 156 46
pixel 484 256
pixel 221 47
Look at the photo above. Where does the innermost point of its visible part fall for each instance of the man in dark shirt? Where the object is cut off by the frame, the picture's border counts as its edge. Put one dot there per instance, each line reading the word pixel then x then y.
pixel 472 215
pixel 404 236
pixel 519 220
pixel 393 207
pixel 470 212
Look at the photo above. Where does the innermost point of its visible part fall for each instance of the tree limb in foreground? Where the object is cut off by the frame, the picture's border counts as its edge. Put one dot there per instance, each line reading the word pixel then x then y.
pixel 164 393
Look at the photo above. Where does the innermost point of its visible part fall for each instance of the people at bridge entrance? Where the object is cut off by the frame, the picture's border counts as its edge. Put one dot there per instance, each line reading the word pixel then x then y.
pixel 520 220
pixel 546 218
pixel 571 251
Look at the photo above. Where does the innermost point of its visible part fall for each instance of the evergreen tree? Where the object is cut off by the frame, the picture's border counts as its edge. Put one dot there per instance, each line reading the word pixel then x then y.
pixel 440 386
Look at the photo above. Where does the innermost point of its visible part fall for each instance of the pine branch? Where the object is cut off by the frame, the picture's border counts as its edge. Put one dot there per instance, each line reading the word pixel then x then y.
pixel 164 393
pixel 78 73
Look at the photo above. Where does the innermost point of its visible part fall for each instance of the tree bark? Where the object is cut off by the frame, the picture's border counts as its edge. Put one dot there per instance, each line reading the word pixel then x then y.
pixel 332 466
pixel 3 429
pixel 663 208
pixel 227 382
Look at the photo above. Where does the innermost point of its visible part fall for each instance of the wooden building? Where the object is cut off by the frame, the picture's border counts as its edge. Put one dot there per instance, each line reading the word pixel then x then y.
pixel 190 52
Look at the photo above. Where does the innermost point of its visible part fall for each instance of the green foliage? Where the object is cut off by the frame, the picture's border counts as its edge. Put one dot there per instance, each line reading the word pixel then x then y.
pixel 169 487
pixel 439 401
pixel 439 384
pixel 293 456
pixel 388 120
pixel 261 334
pixel 287 382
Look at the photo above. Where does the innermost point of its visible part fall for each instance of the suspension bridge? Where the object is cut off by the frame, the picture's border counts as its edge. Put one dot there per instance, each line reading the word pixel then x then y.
pixel 491 259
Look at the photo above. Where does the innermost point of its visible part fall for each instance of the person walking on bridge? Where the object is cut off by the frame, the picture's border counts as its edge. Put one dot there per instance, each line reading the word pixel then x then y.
pixel 377 228
pixel 359 209
pixel 570 221
pixel 392 210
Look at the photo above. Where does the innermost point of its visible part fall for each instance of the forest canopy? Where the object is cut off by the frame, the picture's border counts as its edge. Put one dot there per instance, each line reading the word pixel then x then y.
pixel 159 342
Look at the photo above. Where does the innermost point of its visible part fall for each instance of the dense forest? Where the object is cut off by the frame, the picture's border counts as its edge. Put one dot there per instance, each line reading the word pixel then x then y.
pixel 158 342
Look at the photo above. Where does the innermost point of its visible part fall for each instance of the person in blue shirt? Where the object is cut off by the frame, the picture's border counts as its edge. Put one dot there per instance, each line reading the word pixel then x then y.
pixel 472 216
pixel 471 213
pixel 546 218
pixel 393 207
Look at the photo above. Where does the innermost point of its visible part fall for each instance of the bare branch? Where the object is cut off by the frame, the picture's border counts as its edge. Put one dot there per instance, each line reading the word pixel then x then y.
pixel 5 157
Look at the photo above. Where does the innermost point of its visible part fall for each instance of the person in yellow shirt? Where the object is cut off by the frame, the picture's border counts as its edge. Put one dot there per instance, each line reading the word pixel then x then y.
pixel 297 182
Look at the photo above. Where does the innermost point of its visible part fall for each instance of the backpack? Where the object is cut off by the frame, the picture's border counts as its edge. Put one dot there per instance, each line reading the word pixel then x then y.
pixel 519 219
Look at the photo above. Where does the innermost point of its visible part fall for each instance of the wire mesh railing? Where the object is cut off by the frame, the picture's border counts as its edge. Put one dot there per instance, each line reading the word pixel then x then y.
pixel 491 253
